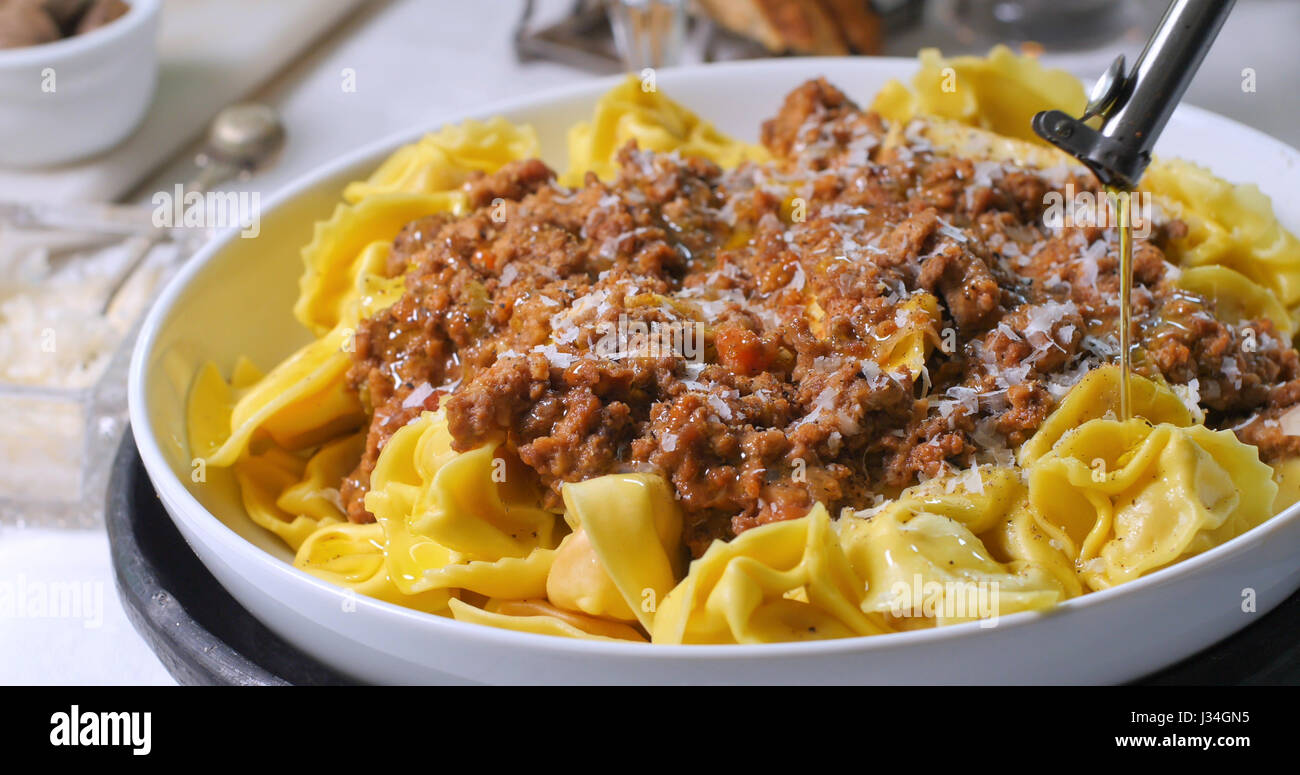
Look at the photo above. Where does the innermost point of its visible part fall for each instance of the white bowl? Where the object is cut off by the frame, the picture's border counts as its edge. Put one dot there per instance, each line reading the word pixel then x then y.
pixel 75 97
pixel 235 297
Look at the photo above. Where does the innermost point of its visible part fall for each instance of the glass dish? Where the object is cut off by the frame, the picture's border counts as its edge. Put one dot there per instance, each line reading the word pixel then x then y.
pixel 57 440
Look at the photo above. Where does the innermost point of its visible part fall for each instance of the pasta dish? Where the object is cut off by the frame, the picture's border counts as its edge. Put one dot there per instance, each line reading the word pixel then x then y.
pixel 853 379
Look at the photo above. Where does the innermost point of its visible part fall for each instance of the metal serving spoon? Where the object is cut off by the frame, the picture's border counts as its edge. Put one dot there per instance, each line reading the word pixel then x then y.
pixel 241 138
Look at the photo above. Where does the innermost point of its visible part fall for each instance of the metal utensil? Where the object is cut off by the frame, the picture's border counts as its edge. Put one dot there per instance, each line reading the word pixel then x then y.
pixel 241 138
pixel 1134 107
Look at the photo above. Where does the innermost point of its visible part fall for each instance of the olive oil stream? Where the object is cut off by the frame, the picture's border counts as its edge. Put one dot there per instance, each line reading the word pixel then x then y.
pixel 1124 218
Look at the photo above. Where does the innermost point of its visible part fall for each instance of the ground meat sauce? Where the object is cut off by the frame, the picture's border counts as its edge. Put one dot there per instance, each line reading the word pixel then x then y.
pixel 508 312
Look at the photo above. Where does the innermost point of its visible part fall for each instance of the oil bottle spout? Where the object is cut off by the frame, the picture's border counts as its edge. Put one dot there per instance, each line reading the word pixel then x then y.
pixel 1134 105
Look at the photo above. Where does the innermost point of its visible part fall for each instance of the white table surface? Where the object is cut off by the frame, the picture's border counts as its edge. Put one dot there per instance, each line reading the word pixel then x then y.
pixel 413 61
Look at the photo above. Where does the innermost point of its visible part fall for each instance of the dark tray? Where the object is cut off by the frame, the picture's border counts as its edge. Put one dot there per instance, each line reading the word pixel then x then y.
pixel 199 632
pixel 204 637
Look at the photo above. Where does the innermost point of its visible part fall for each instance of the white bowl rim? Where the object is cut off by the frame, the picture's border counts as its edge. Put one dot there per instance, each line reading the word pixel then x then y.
pixel 199 519
pixel 139 12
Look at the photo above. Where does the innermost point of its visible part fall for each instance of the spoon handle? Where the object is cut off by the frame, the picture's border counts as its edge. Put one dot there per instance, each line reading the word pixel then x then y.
pixel 87 218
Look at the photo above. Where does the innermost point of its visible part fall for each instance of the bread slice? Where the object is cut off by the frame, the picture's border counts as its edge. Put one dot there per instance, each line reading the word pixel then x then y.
pixel 859 25
pixel 802 26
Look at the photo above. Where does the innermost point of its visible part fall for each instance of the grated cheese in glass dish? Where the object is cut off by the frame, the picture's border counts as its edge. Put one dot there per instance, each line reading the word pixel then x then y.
pixel 63 366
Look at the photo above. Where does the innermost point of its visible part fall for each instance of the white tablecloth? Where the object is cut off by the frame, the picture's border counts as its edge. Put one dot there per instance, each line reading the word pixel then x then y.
pixel 414 60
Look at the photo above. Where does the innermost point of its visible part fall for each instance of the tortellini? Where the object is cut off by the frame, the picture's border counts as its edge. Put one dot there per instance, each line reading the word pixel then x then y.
pixel 1126 498
pixel 1122 498
pixel 1097 396
pixel 924 565
pixel 624 554
pixel 783 581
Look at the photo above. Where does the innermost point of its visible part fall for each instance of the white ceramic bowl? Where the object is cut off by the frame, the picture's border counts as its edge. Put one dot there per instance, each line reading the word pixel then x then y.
pixel 75 97
pixel 235 297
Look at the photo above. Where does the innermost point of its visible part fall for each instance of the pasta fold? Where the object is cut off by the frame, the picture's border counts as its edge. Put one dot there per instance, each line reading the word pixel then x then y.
pixel 1125 498
pixel 447 523
pixel 1096 396
pixel 924 566
pixel 1286 475
pixel 419 179
pixel 1227 225
pixel 916 336
pixel 541 618
pixel 354 242
pixel 352 556
pixel 783 581
pixel 630 112
pixel 305 400
pixel 262 478
pixel 624 554
pixel 316 494
pixel 1000 92
pixel 441 162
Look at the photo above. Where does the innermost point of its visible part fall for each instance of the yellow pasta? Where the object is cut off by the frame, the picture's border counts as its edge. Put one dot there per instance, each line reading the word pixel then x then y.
pixel 1228 225
pixel 1237 299
pixel 908 347
pixel 262 478
pixel 631 112
pixel 784 581
pixel 923 564
pixel 353 242
pixel 316 494
pixel 305 400
pixel 440 162
pixel 352 556
pixel 419 179
pixel 1126 498
pixel 211 402
pixel 540 618
pixel 1017 540
pixel 1286 475
pixel 446 523
pixel 1000 92
pixel 623 556
pixel 1096 396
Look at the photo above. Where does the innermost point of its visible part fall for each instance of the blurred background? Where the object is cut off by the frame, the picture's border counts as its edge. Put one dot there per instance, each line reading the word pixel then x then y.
pixel 105 104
